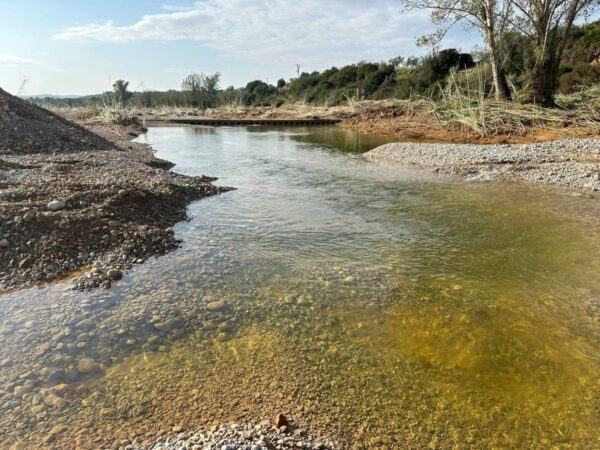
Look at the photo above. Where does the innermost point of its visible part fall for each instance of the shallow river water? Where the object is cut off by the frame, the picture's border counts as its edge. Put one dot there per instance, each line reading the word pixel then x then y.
pixel 381 306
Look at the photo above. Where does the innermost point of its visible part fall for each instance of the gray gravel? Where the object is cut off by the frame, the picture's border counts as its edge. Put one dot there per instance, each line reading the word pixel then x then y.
pixel 237 437
pixel 73 198
pixel 573 163
pixel 27 128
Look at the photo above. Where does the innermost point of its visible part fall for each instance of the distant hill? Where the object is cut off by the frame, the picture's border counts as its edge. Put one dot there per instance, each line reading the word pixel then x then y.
pixel 58 97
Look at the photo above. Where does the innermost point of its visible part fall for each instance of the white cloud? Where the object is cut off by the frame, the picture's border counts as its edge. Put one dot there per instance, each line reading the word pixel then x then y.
pixel 309 32
pixel 171 7
pixel 11 60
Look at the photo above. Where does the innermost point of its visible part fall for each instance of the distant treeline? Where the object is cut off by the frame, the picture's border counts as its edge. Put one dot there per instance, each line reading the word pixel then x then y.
pixel 398 78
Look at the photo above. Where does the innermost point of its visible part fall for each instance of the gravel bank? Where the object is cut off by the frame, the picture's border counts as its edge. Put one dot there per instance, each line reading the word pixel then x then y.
pixel 236 437
pixel 27 129
pixel 74 199
pixel 570 163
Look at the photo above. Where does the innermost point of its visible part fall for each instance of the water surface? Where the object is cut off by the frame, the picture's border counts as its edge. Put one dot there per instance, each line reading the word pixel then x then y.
pixel 382 306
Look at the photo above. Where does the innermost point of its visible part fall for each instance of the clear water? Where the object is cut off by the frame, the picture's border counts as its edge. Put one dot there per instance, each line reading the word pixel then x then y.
pixel 382 306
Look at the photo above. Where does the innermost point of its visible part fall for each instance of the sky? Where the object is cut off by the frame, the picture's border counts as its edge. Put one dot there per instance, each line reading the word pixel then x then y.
pixel 79 47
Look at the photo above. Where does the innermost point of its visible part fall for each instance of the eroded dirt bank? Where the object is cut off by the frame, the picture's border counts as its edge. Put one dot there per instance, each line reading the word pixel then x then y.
pixel 413 121
pixel 73 198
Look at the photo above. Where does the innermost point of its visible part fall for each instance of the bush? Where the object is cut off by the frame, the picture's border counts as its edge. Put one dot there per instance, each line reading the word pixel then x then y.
pixel 259 93
pixel 573 79
pixel 581 64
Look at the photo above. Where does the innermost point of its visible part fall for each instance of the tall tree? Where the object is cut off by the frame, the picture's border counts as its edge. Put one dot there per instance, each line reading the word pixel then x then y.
pixel 211 89
pixel 490 17
pixel 192 87
pixel 201 91
pixel 549 24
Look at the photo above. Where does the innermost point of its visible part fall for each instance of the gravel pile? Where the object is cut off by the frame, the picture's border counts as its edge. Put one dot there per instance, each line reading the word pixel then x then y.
pixel 236 437
pixel 571 163
pixel 27 128
pixel 72 198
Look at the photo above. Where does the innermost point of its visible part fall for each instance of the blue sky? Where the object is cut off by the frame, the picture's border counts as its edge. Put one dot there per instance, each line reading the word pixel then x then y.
pixel 79 47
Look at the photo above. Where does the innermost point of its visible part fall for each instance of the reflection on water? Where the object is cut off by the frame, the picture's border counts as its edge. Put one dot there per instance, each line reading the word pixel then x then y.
pixel 381 306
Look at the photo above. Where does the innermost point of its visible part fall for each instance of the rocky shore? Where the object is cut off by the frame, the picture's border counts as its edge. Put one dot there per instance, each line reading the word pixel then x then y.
pixel 263 436
pixel 78 199
pixel 572 163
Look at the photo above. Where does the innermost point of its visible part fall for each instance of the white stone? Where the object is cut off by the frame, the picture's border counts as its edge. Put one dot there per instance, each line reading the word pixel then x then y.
pixel 56 205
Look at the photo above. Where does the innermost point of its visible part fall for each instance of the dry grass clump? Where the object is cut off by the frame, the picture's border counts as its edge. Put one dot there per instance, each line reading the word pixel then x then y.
pixel 472 110
pixel 298 110
pixel 117 114
pixel 101 114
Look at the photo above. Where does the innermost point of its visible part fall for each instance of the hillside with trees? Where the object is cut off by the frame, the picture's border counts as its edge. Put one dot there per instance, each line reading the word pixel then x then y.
pixel 399 78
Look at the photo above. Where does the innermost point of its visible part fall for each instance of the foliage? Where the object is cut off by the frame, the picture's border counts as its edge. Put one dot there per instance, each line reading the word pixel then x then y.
pixel 259 93
pixel 490 18
pixel 549 25
pixel 201 90
pixel 401 78
pixel 581 62
pixel 230 96
pixel 120 93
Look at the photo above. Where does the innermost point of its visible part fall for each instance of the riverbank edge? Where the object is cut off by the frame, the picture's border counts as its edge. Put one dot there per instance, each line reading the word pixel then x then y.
pixel 417 120
pixel 126 217
pixel 566 163
pixel 413 120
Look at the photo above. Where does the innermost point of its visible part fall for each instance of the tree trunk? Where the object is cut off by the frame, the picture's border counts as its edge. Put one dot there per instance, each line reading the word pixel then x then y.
pixel 551 44
pixel 544 79
pixel 501 88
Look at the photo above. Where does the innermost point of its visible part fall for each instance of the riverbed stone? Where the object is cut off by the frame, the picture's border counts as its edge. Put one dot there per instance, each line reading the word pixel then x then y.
pixel 6 362
pixel 166 326
pixel 217 305
pixel 56 376
pixel 114 274
pixel 56 205
pixel 55 401
pixel 20 391
pixel 85 325
pixel 54 433
pixel 88 366
pixel 39 408
pixel 60 389
pixel 153 340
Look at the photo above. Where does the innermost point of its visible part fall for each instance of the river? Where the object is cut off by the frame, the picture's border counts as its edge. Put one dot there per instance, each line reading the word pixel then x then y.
pixel 382 306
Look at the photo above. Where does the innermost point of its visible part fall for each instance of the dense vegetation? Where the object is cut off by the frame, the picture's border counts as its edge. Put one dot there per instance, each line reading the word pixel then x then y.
pixel 398 78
